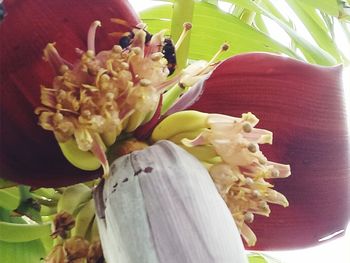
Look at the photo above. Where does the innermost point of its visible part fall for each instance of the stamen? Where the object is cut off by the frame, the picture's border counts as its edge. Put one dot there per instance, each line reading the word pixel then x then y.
pixel 186 27
pixel 91 35
pixel 223 48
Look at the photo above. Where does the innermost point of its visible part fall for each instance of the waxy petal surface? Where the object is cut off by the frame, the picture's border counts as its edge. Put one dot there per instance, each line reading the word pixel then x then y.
pixel 303 105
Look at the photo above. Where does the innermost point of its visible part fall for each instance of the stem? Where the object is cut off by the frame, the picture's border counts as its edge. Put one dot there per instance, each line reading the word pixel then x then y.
pixel 182 12
pixel 170 97
pixel 247 16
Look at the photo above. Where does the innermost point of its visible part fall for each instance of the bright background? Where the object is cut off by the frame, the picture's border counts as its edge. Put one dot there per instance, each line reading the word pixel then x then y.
pixel 329 251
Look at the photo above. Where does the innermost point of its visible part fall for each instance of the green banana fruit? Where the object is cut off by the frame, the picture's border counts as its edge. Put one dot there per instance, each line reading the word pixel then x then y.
pixel 83 220
pixel 93 234
pixel 48 193
pixel 13 232
pixel 109 137
pixel 73 198
pixel 80 159
pixel 10 198
pixel 179 122
pixel 135 120
pixel 47 210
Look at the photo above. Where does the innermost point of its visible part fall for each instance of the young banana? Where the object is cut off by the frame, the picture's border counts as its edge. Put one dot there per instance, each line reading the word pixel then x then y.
pixel 73 198
pixel 83 220
pixel 109 137
pixel 83 160
pixel 136 120
pixel 179 122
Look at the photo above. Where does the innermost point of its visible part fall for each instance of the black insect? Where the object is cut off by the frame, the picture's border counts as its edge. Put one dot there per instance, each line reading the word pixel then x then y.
pixel 127 38
pixel 2 11
pixel 168 51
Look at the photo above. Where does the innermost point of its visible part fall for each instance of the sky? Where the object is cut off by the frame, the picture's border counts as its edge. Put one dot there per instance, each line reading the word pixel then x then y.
pixel 336 250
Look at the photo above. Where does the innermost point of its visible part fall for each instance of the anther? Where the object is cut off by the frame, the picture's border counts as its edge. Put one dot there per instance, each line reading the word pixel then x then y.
pixel 145 82
pixel 249 181
pixel 117 49
pixel 105 78
pixel 224 47
pixel 136 50
pixel 109 96
pixel 247 127
pixel 256 194
pixel 249 217
pixel 63 69
pixel 156 56
pixel 90 53
pixel 182 86
pixel 86 113
pixel 58 117
pixel 252 148
pixel 275 173
pixel 124 66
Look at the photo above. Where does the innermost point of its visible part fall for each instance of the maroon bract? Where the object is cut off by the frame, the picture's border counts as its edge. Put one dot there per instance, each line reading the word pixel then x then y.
pixel 303 105
pixel 30 155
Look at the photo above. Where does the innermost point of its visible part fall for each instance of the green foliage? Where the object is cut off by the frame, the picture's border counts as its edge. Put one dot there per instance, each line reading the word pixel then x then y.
pixel 244 28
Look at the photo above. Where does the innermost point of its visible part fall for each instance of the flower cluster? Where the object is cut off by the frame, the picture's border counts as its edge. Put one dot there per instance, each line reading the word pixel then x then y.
pixel 103 93
pixel 239 170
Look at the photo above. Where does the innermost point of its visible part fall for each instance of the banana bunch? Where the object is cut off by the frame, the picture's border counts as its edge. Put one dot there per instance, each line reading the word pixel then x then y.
pixel 74 226
pixel 187 125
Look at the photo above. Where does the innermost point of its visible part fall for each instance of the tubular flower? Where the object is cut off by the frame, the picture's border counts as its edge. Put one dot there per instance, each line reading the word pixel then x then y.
pixel 240 169
pixel 96 98
pixel 304 106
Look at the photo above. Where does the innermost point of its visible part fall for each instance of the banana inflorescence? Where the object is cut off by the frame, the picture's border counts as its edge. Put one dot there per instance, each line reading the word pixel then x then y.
pixel 74 228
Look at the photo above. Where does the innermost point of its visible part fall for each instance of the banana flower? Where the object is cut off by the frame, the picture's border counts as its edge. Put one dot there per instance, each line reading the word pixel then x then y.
pixel 302 104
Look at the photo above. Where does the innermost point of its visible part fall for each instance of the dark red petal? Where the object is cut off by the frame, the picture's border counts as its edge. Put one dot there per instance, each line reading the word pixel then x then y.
pixel 30 155
pixel 303 105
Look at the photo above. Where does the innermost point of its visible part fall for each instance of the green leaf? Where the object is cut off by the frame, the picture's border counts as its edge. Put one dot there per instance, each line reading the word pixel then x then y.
pixel 328 6
pixel 314 53
pixel 316 27
pixel 212 27
pixel 10 198
pixel 23 252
